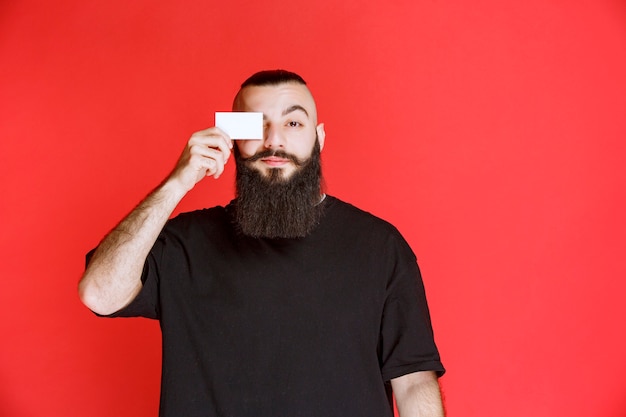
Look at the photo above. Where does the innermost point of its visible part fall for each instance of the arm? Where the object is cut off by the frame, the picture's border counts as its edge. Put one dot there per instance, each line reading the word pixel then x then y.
pixel 417 395
pixel 113 276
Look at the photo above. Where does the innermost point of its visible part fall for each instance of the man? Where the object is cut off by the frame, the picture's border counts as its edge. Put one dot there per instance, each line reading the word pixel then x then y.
pixel 286 301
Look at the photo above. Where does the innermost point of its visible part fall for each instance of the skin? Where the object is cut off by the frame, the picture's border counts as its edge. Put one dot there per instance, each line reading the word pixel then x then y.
pixel 290 124
pixel 418 395
pixel 113 277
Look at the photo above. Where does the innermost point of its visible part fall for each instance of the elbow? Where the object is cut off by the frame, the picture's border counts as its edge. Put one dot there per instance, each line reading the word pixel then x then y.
pixel 88 295
pixel 103 297
pixel 93 298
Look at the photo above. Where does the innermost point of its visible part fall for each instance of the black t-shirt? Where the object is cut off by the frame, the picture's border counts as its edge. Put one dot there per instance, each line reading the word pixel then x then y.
pixel 311 327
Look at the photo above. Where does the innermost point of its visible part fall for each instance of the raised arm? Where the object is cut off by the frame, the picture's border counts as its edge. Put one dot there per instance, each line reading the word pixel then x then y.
pixel 112 278
pixel 417 395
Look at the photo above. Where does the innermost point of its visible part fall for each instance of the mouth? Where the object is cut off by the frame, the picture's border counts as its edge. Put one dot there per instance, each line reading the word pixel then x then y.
pixel 275 161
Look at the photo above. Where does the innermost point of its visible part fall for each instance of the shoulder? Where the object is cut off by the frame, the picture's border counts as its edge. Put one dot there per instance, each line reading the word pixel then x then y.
pixel 348 218
pixel 199 220
pixel 361 230
pixel 346 212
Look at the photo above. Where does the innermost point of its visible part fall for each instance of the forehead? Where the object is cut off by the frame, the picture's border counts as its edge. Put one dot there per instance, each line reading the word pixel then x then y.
pixel 270 99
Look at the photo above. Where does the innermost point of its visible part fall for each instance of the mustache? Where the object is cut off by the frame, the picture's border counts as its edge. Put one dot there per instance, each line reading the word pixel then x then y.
pixel 277 153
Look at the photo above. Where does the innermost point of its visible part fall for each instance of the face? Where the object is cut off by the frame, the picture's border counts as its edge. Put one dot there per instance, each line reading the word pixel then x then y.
pixel 290 127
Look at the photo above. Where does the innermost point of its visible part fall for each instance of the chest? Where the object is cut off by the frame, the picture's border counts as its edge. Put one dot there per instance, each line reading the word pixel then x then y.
pixel 300 289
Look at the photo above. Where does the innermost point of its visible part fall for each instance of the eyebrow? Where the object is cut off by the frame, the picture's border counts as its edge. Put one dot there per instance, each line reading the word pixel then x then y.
pixel 293 108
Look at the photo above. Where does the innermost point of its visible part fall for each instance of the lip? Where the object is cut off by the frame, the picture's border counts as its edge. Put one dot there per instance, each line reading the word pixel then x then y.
pixel 275 161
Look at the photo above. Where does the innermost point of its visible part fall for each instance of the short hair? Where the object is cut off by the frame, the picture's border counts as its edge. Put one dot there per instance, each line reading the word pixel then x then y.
pixel 273 77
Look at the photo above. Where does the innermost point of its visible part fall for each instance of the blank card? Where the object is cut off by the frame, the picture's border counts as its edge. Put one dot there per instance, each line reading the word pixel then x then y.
pixel 240 125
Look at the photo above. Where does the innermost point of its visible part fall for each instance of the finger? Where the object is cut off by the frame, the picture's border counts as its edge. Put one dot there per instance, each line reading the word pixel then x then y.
pixel 229 141
pixel 213 140
pixel 213 144
pixel 213 132
pixel 205 160
pixel 218 151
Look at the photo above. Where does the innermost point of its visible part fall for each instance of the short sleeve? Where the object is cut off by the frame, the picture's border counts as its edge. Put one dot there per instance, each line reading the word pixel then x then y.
pixel 146 303
pixel 407 342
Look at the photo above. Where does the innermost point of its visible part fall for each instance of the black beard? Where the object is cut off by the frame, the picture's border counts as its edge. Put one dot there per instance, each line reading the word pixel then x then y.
pixel 273 207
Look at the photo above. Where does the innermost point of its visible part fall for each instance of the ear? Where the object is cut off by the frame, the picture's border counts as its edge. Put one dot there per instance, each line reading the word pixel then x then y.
pixel 321 135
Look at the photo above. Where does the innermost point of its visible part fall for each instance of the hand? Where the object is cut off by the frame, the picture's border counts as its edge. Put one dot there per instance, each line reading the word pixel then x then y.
pixel 205 155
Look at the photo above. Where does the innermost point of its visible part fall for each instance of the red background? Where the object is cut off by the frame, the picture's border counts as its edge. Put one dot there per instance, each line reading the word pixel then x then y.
pixel 490 132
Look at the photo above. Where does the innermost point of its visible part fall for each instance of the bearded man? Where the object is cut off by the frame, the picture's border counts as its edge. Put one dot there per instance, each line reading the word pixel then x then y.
pixel 285 302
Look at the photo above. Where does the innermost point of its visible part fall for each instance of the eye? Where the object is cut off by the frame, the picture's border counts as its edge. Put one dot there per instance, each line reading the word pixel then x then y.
pixel 294 123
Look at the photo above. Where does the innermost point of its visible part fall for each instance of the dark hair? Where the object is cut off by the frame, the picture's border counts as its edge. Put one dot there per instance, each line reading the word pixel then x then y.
pixel 273 77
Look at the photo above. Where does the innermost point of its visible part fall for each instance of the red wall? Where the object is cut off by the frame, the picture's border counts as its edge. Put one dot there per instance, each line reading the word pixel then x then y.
pixel 490 132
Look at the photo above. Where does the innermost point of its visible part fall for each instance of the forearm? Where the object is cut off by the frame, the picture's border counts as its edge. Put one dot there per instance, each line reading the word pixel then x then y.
pixel 418 395
pixel 113 276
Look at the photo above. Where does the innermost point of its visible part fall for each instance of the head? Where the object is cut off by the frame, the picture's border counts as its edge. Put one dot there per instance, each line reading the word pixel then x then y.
pixel 290 122
pixel 279 177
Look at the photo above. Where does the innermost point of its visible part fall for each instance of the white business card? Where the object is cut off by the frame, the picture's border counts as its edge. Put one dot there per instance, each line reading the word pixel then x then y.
pixel 240 125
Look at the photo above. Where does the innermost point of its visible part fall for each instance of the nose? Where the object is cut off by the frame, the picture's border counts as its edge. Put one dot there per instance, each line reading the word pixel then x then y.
pixel 273 138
